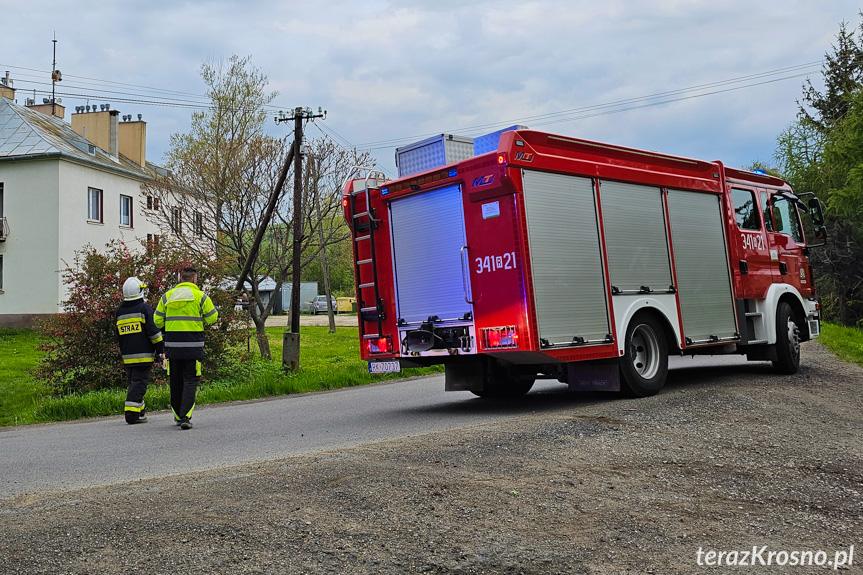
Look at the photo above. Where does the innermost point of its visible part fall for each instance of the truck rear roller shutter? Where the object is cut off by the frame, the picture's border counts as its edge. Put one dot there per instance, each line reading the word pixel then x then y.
pixel 428 235
pixel 701 263
pixel 566 260
pixel 634 222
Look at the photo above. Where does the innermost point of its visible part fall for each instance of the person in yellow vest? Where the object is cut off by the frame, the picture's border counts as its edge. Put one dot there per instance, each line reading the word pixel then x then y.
pixel 181 314
pixel 140 341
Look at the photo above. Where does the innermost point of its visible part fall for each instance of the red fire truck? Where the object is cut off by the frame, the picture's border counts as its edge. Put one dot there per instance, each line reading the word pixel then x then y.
pixel 588 263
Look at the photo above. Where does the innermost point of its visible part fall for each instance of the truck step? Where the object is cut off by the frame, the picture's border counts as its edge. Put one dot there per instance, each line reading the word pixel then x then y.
pixel 754 314
pixel 361 262
pixel 366 309
pixel 371 336
pixel 756 341
pixel 361 215
pixel 361 238
pixel 361 286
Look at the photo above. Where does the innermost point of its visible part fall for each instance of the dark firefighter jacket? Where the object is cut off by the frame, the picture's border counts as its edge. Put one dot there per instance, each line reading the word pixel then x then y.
pixel 181 313
pixel 137 333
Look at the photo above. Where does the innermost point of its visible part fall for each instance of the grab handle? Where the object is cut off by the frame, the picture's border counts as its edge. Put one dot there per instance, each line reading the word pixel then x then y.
pixel 465 278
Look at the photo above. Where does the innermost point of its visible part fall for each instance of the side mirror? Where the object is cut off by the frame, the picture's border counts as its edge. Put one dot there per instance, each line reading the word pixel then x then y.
pixel 821 233
pixel 816 213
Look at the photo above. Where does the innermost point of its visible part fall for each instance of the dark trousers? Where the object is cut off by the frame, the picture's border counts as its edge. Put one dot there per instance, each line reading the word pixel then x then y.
pixel 184 376
pixel 138 377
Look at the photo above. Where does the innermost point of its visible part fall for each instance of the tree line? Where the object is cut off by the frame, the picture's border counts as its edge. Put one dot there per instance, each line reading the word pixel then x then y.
pixel 821 152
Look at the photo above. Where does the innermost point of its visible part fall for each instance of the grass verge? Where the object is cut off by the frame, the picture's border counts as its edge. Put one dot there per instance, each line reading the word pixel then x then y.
pixel 327 361
pixel 845 342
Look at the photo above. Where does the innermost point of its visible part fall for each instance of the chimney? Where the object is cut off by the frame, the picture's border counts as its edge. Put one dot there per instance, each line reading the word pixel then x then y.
pixel 133 139
pixel 98 127
pixel 6 89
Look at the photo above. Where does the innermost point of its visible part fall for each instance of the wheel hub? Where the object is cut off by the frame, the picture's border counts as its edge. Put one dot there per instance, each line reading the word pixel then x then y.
pixel 644 351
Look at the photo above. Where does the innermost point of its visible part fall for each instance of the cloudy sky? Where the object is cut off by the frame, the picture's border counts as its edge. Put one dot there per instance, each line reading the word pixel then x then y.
pixel 715 79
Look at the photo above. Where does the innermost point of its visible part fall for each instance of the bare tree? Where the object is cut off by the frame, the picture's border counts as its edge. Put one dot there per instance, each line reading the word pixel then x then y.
pixel 219 180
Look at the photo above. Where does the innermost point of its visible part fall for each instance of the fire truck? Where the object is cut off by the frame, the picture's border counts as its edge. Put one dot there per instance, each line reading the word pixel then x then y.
pixel 561 258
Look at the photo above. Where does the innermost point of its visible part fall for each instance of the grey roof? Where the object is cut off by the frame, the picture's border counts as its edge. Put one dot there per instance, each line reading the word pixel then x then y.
pixel 25 133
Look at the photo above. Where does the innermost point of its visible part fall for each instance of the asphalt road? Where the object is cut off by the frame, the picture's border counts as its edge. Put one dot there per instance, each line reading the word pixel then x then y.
pixel 105 451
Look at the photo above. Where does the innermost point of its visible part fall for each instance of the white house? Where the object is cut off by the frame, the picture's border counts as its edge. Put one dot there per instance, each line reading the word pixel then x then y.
pixel 60 191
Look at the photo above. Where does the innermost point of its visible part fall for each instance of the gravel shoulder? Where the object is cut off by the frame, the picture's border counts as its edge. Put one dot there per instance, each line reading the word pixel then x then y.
pixel 723 459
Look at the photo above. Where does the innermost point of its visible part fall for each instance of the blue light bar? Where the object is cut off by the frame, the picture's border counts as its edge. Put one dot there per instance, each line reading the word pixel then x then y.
pixel 453 173
pixel 385 191
pixel 761 172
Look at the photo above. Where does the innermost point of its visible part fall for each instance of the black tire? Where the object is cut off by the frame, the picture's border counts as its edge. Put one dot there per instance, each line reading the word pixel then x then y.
pixel 787 341
pixel 644 364
pixel 505 382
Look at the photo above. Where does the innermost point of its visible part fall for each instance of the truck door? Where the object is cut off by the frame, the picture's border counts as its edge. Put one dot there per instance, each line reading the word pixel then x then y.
pixel 786 244
pixel 566 259
pixel 756 268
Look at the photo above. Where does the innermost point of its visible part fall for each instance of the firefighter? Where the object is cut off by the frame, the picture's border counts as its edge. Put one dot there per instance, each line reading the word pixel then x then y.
pixel 181 313
pixel 140 340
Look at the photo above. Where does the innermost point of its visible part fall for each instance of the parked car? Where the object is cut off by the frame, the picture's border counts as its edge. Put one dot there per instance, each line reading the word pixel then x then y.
pixel 319 305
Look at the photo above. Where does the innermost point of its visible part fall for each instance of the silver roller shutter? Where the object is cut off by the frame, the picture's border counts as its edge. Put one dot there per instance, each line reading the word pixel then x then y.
pixel 566 260
pixel 635 238
pixel 701 262
pixel 428 234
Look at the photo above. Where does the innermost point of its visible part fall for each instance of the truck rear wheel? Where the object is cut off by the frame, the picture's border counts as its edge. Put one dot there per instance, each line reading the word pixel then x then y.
pixel 787 341
pixel 644 364
pixel 503 382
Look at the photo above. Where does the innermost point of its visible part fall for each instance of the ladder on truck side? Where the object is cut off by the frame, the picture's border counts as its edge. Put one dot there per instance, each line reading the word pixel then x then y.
pixel 363 225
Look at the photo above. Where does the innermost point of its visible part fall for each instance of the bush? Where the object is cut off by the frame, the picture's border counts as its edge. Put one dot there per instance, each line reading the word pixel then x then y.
pixel 81 351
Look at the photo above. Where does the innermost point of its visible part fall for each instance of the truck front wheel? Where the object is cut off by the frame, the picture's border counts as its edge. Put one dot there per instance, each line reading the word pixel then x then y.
pixel 787 341
pixel 644 364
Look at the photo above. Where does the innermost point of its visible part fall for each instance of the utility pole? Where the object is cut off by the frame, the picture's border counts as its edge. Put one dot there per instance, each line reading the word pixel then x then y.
pixel 291 340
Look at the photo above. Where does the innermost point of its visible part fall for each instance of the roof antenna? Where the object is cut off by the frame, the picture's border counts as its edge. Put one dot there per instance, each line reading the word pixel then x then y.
pixel 55 77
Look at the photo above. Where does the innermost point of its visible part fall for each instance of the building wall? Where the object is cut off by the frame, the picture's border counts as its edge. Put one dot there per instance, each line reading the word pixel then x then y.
pixel 30 278
pixel 76 231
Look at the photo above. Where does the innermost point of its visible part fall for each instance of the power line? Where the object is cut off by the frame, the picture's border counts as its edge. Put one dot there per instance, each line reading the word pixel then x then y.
pixel 566 115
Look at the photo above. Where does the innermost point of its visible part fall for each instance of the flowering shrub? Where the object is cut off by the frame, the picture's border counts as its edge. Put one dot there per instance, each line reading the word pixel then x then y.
pixel 81 351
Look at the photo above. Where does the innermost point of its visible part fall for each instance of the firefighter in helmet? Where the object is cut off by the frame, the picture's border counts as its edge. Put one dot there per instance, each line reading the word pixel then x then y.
pixel 140 341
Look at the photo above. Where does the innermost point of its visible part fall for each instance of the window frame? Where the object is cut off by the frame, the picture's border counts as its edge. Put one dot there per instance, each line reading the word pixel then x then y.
pixel 754 210
pixel 101 215
pixel 776 209
pixel 131 201
pixel 1 273
pixel 177 221
pixel 198 224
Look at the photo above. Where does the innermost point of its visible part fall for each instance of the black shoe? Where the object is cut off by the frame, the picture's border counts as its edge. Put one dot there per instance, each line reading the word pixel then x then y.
pixel 185 423
pixel 177 422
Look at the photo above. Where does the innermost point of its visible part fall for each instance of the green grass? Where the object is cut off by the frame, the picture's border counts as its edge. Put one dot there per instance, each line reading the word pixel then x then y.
pixel 845 342
pixel 327 361
pixel 18 393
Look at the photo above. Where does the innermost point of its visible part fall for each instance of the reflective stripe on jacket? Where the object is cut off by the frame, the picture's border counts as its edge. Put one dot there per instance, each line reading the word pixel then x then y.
pixel 137 334
pixel 181 313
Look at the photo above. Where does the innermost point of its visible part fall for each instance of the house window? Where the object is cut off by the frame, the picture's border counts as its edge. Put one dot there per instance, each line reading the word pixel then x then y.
pixel 199 224
pixel 177 221
pixel 94 205
pixel 152 203
pixel 1 199
pixel 126 211
pixel 1 274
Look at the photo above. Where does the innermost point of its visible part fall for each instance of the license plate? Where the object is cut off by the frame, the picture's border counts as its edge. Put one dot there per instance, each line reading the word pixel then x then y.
pixel 384 367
